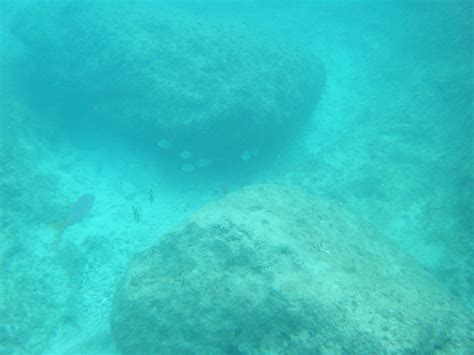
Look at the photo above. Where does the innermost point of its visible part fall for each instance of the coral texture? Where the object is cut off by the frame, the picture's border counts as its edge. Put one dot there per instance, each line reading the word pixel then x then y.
pixel 271 270
pixel 151 73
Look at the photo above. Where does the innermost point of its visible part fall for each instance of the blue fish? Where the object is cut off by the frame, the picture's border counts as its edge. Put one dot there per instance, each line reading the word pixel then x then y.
pixel 78 212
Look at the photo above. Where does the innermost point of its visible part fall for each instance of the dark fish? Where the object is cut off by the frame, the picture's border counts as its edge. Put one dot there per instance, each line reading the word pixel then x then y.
pixel 78 212
pixel 151 195
pixel 225 190
pixel 136 214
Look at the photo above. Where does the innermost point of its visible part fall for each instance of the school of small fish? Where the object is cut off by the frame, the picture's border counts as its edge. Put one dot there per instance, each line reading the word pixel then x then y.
pixel 200 162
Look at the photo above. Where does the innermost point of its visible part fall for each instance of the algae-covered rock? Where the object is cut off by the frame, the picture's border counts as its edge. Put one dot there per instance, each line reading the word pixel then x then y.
pixel 23 183
pixel 271 270
pixel 158 73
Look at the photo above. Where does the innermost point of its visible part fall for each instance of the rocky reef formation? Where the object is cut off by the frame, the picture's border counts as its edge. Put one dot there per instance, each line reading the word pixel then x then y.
pixel 271 270
pixel 35 302
pixel 156 73
pixel 22 183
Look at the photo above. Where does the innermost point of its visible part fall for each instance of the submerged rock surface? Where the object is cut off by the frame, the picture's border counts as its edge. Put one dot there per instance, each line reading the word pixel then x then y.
pixel 155 73
pixel 269 269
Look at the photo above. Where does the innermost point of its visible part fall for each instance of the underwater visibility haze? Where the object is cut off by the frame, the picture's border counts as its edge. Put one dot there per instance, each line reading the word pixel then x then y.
pixel 241 177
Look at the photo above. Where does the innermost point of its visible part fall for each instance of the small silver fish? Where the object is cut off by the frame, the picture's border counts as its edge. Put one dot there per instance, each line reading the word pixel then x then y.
pixel 245 155
pixel 185 154
pixel 248 154
pixel 164 144
pixel 188 167
pixel 202 163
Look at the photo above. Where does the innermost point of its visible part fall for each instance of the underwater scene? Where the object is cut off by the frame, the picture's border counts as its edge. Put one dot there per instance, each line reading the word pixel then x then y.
pixel 236 177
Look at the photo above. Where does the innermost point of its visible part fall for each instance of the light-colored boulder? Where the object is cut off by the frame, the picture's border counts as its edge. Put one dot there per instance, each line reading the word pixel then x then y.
pixel 271 270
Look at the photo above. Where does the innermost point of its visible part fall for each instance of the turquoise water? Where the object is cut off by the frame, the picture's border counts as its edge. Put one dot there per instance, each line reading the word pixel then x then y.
pixel 159 109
